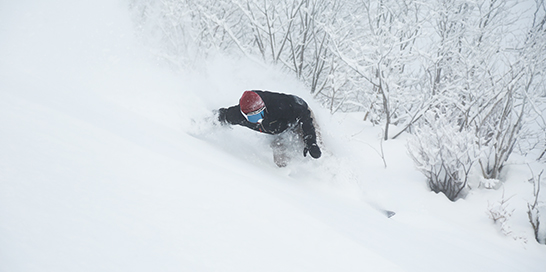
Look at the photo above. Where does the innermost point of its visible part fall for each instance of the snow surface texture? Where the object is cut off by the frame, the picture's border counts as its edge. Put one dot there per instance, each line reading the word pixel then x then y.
pixel 107 163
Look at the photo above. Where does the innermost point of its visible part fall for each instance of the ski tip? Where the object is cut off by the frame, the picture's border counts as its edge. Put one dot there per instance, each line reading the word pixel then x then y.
pixel 390 213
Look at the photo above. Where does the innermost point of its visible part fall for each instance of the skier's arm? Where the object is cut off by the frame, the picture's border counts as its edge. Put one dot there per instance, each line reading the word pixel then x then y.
pixel 231 115
pixel 309 135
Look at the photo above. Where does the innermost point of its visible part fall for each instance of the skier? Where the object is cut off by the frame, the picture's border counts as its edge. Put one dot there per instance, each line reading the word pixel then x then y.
pixel 275 113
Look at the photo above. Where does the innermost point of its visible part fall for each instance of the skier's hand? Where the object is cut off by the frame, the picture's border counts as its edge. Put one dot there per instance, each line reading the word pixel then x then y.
pixel 222 115
pixel 313 150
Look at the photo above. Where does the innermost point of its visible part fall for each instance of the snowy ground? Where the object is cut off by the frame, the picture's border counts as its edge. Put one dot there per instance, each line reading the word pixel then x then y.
pixel 106 164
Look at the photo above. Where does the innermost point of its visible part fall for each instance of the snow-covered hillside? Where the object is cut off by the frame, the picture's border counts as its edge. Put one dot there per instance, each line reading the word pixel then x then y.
pixel 107 163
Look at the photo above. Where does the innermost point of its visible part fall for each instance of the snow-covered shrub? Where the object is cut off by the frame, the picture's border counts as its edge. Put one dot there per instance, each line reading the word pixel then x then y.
pixel 533 211
pixel 499 213
pixel 443 153
pixel 498 132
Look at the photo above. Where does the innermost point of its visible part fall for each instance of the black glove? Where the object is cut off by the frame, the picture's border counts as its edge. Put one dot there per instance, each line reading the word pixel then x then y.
pixel 222 112
pixel 313 150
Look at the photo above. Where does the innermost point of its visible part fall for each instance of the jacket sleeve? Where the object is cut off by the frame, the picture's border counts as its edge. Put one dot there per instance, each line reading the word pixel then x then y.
pixel 309 133
pixel 306 120
pixel 233 115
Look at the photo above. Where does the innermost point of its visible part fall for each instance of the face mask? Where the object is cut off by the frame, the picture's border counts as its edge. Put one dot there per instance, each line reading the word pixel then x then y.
pixel 256 116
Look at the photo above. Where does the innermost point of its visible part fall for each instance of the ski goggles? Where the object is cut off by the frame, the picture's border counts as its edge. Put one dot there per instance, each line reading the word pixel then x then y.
pixel 256 116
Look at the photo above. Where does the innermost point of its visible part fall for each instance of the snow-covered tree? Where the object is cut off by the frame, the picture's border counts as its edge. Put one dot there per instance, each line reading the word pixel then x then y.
pixel 378 43
pixel 473 71
pixel 533 82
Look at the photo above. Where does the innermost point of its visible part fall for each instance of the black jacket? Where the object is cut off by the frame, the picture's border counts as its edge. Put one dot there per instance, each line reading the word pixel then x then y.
pixel 282 112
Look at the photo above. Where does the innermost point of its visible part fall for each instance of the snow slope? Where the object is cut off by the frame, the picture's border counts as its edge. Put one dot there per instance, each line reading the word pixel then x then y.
pixel 108 164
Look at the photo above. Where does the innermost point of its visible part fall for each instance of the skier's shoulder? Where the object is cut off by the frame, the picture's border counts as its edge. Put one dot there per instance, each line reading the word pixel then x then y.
pixel 264 94
pixel 278 96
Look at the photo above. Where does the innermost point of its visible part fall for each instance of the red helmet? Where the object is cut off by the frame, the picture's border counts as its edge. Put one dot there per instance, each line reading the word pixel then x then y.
pixel 250 102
